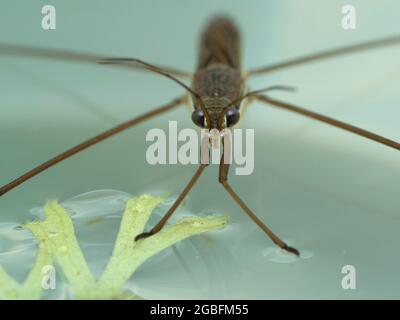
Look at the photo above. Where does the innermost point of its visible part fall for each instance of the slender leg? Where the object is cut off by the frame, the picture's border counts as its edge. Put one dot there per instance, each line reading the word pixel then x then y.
pixel 176 204
pixel 223 179
pixel 96 139
pixel 332 122
pixel 73 56
pixel 325 55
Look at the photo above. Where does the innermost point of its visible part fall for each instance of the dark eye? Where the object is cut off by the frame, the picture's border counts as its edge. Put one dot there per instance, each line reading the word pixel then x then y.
pixel 232 116
pixel 198 118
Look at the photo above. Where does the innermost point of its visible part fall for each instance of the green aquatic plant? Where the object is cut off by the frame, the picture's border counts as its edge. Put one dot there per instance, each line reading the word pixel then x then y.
pixel 58 244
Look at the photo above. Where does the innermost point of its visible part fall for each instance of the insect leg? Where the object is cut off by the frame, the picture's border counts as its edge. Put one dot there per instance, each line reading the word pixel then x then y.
pixel 365 46
pixel 176 204
pixel 223 179
pixel 79 57
pixel 96 139
pixel 332 122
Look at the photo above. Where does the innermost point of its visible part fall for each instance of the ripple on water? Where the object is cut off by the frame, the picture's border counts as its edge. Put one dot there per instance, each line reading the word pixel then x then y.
pixel 15 240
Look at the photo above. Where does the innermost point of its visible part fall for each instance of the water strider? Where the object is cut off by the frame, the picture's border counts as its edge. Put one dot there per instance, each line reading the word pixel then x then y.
pixel 217 92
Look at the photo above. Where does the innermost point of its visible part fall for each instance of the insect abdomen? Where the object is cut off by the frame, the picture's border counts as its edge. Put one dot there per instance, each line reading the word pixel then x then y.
pixel 220 43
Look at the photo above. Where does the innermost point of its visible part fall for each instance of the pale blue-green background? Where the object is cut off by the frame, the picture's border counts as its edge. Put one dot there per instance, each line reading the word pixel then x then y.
pixel 324 190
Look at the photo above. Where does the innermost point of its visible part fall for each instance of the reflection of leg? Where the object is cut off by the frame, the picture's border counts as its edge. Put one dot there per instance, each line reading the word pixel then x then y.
pixel 177 202
pixel 223 179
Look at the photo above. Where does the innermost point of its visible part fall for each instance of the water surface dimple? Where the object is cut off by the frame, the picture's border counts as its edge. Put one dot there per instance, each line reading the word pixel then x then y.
pixel 275 254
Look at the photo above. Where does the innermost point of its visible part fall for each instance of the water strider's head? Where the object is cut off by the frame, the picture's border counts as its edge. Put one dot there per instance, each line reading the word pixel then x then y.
pixel 221 114
pixel 220 89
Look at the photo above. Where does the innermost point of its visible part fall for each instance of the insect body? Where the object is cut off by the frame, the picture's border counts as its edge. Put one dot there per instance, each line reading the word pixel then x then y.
pixel 217 91
pixel 218 78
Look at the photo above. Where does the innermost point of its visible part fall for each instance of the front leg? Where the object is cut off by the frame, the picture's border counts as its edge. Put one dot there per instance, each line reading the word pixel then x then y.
pixel 223 179
pixel 176 204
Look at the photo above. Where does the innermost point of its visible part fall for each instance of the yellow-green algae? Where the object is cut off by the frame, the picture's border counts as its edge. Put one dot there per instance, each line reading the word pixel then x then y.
pixel 58 243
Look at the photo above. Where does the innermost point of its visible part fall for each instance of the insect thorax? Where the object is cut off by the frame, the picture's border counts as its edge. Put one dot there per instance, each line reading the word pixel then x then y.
pixel 217 85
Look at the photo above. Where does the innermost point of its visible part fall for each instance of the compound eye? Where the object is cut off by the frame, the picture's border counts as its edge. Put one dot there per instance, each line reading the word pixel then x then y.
pixel 198 118
pixel 232 116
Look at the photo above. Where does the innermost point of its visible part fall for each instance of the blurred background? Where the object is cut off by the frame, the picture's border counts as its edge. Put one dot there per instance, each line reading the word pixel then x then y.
pixel 331 194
